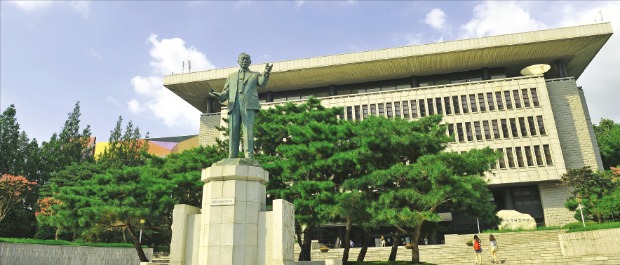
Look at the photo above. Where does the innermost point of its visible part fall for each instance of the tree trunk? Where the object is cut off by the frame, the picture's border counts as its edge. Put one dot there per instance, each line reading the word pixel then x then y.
pixel 304 242
pixel 347 241
pixel 362 254
pixel 136 243
pixel 415 250
pixel 395 246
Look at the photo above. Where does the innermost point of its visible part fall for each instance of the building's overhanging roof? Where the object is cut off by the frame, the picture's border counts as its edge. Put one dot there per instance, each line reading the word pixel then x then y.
pixel 577 46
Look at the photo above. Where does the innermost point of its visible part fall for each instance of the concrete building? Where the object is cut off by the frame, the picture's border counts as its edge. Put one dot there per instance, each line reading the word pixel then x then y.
pixel 484 89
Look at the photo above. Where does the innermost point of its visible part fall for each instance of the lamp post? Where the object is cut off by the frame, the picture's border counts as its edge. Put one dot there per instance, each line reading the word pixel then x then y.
pixel 582 219
pixel 141 223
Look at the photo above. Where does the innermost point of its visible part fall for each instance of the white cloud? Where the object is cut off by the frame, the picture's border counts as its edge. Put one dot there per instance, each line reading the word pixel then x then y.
pixel 135 106
pixel 32 5
pixel 168 56
pixel 93 53
pixel 500 17
pixel 152 97
pixel 436 19
pixel 81 7
pixel 414 39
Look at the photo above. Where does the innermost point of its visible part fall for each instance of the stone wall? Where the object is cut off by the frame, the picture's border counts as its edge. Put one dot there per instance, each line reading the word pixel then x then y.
pixel 573 122
pixel 29 254
pixel 553 195
pixel 208 133
pixel 599 242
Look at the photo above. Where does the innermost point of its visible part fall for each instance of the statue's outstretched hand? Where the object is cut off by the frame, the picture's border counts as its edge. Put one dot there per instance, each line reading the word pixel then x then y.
pixel 267 69
pixel 216 95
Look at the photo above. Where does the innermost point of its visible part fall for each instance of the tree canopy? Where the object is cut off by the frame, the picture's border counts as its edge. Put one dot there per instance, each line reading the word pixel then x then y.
pixel 608 138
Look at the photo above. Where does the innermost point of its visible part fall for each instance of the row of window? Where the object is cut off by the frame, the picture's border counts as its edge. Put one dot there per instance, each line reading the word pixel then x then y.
pixel 497 129
pixel 523 157
pixel 449 105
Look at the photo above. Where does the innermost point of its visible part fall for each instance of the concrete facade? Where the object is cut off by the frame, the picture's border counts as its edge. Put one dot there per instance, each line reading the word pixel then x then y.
pixel 539 122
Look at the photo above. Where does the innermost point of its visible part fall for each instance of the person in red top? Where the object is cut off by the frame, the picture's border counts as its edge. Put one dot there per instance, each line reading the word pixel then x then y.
pixel 478 249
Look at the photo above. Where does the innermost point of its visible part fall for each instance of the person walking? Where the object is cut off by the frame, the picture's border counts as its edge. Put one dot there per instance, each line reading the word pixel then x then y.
pixel 382 241
pixel 494 249
pixel 478 249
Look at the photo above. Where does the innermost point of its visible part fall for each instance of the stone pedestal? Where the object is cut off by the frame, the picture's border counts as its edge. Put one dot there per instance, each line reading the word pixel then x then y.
pixel 233 227
pixel 233 195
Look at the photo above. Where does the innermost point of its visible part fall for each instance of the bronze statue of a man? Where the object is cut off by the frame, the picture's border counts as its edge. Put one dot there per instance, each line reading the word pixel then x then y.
pixel 241 92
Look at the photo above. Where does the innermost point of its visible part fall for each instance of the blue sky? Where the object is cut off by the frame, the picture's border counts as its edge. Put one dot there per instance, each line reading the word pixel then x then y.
pixel 111 55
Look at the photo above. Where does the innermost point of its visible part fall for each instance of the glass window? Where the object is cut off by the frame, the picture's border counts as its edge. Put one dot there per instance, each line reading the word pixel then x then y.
pixel 364 111
pixel 381 110
pixel 388 107
pixel 487 130
pixel 490 101
pixel 541 125
pixel 397 109
pixel 495 129
pixel 468 131
pixel 464 104
pixel 414 109
pixel 523 127
pixel 373 109
pixel 526 98
pixel 528 156
pixel 500 102
pixel 538 155
pixel 357 113
pixel 519 157
pixel 530 122
pixel 534 97
pixel 439 107
pixel 446 101
pixel 513 127
pixel 508 100
pixel 349 113
pixel 547 155
pixel 515 95
pixel 472 101
pixel 483 107
pixel 455 103
pixel 510 157
pixel 431 110
pixel 505 128
pixel 406 109
pixel 478 131
pixel 502 159
pixel 459 130
pixel 451 130
pixel 422 108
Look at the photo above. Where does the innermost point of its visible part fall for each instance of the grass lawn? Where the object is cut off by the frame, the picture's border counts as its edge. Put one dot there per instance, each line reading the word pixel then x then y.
pixel 578 227
pixel 62 242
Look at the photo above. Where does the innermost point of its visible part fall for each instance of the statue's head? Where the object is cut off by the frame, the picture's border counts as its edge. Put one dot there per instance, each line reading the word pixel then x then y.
pixel 244 60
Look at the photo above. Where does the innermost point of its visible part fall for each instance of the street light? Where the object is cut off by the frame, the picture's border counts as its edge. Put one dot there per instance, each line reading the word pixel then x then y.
pixel 582 219
pixel 141 223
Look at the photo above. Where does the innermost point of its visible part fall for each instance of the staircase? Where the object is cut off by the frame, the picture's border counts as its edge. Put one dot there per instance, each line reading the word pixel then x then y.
pixel 540 247
pixel 537 247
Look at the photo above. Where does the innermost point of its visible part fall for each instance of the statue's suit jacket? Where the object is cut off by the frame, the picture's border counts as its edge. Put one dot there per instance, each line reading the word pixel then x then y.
pixel 247 92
